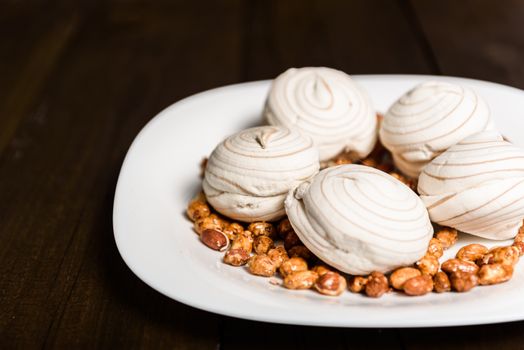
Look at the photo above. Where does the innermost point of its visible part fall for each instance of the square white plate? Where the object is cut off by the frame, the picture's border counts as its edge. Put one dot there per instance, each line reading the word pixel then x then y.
pixel 161 173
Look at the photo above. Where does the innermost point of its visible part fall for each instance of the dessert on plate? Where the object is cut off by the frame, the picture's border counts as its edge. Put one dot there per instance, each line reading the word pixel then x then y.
pixel 249 174
pixel 477 186
pixel 430 118
pixel 359 219
pixel 359 224
pixel 327 105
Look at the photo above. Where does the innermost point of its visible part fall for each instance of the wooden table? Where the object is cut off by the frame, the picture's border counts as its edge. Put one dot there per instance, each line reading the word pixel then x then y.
pixel 78 79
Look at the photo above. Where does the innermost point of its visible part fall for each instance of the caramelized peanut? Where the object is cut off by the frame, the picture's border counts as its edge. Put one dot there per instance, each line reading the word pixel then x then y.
pixel 495 273
pixel 243 241
pixel 211 222
pixel 236 257
pixel 321 269
pixel 463 281
pixel 357 284
pixel 284 227
pixel 278 255
pixel 214 239
pixel 447 236
pixel 262 244
pixel 472 252
pixel 377 285
pixel 401 275
pixel 441 282
pixel 262 265
pixel 455 265
pixel 262 228
pixel 331 283
pixel 418 285
pixel 292 265
pixel 428 265
pixel 435 248
pixel 197 209
pixel 503 255
pixel 300 280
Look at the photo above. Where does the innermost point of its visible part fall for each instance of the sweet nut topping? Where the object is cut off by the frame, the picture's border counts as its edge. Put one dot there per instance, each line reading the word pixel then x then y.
pixel 370 162
pixel 441 282
pixel 331 283
pixel 318 92
pixel 495 273
pixel 520 247
pixel 197 209
pixel 342 160
pixel 283 228
pixel 262 244
pixel 300 279
pixel 472 252
pixel 401 275
pixel 291 240
pixel 419 285
pixel 211 222
pixel 463 281
pixel 357 284
pixel 428 265
pixel 377 285
pixel 503 255
pixel 214 239
pixel 292 265
pixel 233 230
pixel 435 248
pixel 447 236
pixel 262 229
pixel 321 269
pixel 301 251
pixel 262 265
pixel 243 241
pixel 278 255
pixel 236 257
pixel 455 265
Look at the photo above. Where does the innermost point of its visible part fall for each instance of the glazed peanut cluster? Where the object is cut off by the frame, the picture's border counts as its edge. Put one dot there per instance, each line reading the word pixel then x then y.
pixel 269 249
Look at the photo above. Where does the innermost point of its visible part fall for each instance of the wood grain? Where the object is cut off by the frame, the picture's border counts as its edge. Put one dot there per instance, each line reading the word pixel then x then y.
pixel 67 285
pixel 329 33
pixel 79 80
pixel 479 39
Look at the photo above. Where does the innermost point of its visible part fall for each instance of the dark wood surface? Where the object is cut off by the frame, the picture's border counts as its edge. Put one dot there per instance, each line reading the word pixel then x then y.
pixel 78 79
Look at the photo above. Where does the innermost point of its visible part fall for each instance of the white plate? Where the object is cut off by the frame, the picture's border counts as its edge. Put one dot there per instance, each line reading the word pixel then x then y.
pixel 160 175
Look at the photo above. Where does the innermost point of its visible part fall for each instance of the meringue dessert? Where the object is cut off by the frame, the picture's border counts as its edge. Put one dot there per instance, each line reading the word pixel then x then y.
pixel 359 219
pixel 477 187
pixel 429 119
pixel 327 105
pixel 248 175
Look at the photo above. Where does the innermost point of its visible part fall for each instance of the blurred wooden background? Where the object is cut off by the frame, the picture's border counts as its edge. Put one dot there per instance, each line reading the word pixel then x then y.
pixel 78 79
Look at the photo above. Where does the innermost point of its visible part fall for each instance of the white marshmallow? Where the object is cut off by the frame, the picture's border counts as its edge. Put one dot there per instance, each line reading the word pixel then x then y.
pixel 249 174
pixel 327 105
pixel 429 119
pixel 359 219
pixel 477 186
